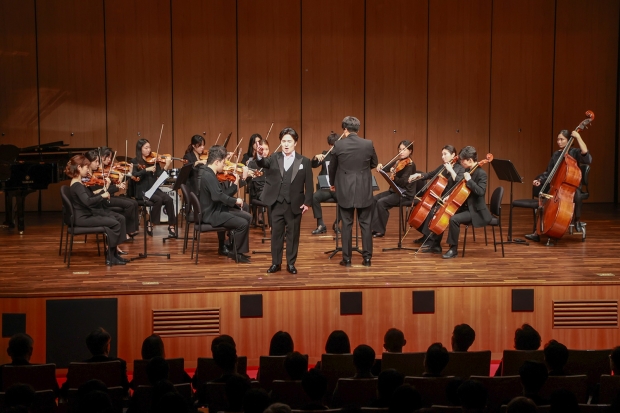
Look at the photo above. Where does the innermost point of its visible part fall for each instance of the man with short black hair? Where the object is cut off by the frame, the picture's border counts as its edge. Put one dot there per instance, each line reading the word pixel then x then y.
pixel 436 359
pixel 463 337
pixel 556 357
pixel 394 341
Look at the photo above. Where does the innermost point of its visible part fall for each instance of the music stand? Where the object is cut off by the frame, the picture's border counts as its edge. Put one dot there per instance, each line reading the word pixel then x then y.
pixel 506 171
pixel 399 191
pixel 147 204
pixel 184 173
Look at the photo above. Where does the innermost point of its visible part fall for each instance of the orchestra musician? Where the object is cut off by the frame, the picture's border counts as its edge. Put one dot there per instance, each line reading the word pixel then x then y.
pixel 255 139
pixel 219 209
pixel 323 160
pixel 473 211
pixel 89 209
pixel 148 174
pixel 193 155
pixel 581 155
pixel 256 184
pixel 401 169
pixel 454 173
pixel 288 190
pixel 352 159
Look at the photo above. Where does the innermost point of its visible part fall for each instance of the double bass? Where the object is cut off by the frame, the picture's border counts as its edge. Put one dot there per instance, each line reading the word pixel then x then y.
pixel 556 204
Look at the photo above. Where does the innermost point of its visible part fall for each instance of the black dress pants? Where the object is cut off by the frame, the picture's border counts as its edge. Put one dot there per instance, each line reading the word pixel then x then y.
pixel 284 222
pixel 160 199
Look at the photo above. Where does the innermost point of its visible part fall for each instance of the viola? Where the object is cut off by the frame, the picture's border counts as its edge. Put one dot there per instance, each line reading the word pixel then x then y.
pixel 459 194
pixel 556 206
pixel 155 157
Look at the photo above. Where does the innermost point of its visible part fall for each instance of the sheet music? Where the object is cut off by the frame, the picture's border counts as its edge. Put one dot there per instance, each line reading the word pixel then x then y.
pixel 157 184
pixel 389 181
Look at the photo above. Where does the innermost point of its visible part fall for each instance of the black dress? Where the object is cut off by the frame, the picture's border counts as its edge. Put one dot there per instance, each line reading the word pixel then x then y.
pixel 159 198
pixel 193 181
pixel 130 208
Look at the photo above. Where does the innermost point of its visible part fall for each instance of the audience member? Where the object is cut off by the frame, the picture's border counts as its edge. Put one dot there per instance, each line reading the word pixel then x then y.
pixel 556 356
pixel 452 391
pixel 533 376
pixel 526 338
pixel 225 357
pixel 281 344
pixel 19 394
pixel 394 341
pixel 389 380
pixel 236 388
pixel 171 402
pixel 156 370
pixel 563 401
pixel 363 359
pixel 521 405
pixel 296 365
pixel 406 399
pixel 436 360
pixel 96 401
pixel 19 350
pixel 278 408
pixel 314 384
pixel 463 337
pixel 614 361
pixel 338 343
pixel 256 401
pixel 153 346
pixel 473 396
pixel 224 338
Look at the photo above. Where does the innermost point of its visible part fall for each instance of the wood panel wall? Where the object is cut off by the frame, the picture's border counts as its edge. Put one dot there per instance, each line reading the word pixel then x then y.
pixel 108 71
pixel 310 315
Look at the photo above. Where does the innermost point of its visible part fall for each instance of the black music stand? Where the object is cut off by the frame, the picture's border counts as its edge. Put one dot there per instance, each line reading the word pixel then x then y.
pixel 180 180
pixel 147 204
pixel 399 191
pixel 506 171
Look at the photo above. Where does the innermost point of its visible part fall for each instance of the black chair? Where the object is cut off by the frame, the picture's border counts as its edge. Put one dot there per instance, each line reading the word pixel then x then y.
pixel 200 227
pixel 468 363
pixel 187 210
pixel 409 364
pixel 39 376
pixel 354 392
pixel 583 194
pixel 72 229
pixel 496 211
pixel 207 370
pixel 512 360
pixel 432 389
pixel 176 372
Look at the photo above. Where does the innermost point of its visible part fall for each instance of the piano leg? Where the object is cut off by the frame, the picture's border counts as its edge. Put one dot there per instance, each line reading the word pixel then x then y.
pixel 21 208
pixel 8 209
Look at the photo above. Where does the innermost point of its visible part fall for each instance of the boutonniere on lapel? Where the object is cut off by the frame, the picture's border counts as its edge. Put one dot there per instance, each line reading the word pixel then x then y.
pixel 301 166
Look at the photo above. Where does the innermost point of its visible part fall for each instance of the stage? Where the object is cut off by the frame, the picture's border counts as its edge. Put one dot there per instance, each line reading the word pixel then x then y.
pixel 475 289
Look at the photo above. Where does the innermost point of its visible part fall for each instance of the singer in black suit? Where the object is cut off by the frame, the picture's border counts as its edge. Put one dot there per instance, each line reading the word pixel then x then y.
pixel 288 189
pixel 352 159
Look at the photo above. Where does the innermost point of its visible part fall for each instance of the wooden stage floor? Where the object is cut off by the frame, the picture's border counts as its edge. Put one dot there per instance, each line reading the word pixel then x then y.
pixel 31 267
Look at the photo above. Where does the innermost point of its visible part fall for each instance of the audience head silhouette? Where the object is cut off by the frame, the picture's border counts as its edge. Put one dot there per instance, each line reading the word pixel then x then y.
pixel 338 343
pixel 98 342
pixel 157 369
pixel 225 357
pixel 236 388
pixel 20 347
pixel 224 338
pixel 394 341
pixel 19 394
pixel 436 360
pixel 389 380
pixel 171 402
pixel 314 384
pixel 463 337
pixel 533 376
pixel 521 405
pixel 256 401
pixel 281 344
pixel 406 399
pixel 556 356
pixel 527 338
pixel 296 365
pixel 153 346
pixel 473 396
pixel 363 359
pixel 563 401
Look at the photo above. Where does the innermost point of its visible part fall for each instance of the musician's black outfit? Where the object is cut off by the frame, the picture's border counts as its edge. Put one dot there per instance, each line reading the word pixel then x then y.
pixel 193 181
pixel 322 194
pixel 130 208
pixel 159 198
pixel 386 200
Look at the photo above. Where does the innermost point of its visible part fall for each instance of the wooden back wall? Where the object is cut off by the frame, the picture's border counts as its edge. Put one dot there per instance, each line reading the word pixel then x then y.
pixel 502 75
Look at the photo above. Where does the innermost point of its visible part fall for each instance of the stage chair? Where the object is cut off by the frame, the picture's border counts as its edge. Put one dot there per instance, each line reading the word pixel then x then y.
pixel 199 227
pixel 496 210
pixel 468 363
pixel 272 368
pixel 409 364
pixel 72 229
pixel 216 396
pixel 354 392
pixel 176 370
pixel 501 390
pixel 512 360
pixel 109 372
pixel 432 389
pixel 610 387
pixel 578 385
pixel 584 194
pixel 39 376
pixel 44 402
pixel 117 394
pixel 143 396
pixel 336 366
pixel 593 363
pixel 289 392
pixel 187 210
pixel 207 370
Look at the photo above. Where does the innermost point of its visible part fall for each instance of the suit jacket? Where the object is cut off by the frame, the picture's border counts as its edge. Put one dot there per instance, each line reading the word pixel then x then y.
pixel 476 202
pixel 301 181
pixel 214 202
pixel 349 171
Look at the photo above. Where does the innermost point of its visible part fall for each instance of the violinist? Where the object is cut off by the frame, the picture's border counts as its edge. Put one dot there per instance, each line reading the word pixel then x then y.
pixel 473 211
pixel 454 173
pixel 581 155
pixel 256 184
pixel 148 174
pixel 193 155
pixel 255 139
pixel 220 209
pixel 401 169
pixel 323 195
pixel 89 210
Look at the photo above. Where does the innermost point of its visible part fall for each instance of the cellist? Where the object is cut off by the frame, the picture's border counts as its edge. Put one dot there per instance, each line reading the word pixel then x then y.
pixel 581 155
pixel 473 211
pixel 454 173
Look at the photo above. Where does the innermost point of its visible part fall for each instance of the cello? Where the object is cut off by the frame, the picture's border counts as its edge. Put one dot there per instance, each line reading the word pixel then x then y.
pixel 458 196
pixel 556 205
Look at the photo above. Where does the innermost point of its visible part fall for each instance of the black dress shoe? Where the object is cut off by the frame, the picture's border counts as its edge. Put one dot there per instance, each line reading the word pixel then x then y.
pixel 121 252
pixel 274 268
pixel 366 262
pixel 291 269
pixel 243 259
pixel 223 250
pixel 345 263
pixel 452 253
pixel 377 235
pixel 321 229
pixel 533 237
pixel 419 240
pixel 121 259
pixel 435 249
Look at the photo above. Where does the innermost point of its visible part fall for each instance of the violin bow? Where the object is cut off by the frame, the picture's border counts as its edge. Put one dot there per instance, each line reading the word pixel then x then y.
pixel 330 149
pixel 236 147
pixel 268 132
pixel 158 143
pixel 398 154
pixel 218 138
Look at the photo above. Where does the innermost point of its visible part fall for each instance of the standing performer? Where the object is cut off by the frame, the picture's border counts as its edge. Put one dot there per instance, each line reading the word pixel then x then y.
pixel 288 189
pixel 400 171
pixel 323 195
pixel 582 156
pixel 148 174
pixel 192 154
pixel 218 208
pixel 352 159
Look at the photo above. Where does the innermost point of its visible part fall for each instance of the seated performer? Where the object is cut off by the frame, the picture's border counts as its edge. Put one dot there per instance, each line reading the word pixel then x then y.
pixel 257 183
pixel 400 171
pixel 219 209
pixel 454 173
pixel 255 139
pixel 89 210
pixel 473 211
pixel 192 154
pixel 322 195
pixel 581 155
pixel 148 174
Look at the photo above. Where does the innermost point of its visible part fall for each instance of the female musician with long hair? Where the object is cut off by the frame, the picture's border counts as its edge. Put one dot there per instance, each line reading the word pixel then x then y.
pixel 251 153
pixel 89 210
pixel 193 153
pixel 148 174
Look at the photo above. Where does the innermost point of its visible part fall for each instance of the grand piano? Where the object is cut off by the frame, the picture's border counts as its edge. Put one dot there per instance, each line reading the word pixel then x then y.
pixel 24 171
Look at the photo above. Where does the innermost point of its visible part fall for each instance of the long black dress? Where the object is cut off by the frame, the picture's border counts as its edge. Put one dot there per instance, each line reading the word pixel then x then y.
pixel 159 198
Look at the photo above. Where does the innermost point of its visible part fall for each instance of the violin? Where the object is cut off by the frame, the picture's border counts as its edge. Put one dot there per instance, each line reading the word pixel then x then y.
pixel 96 179
pixel 155 157
pixel 238 168
pixel 226 177
pixel 400 165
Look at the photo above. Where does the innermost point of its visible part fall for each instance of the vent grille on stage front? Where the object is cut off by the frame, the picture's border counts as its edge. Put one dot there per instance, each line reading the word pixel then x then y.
pixel 186 322
pixel 585 314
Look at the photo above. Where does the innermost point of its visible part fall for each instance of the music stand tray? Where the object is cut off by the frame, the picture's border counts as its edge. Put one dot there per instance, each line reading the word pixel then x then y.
pixel 506 171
